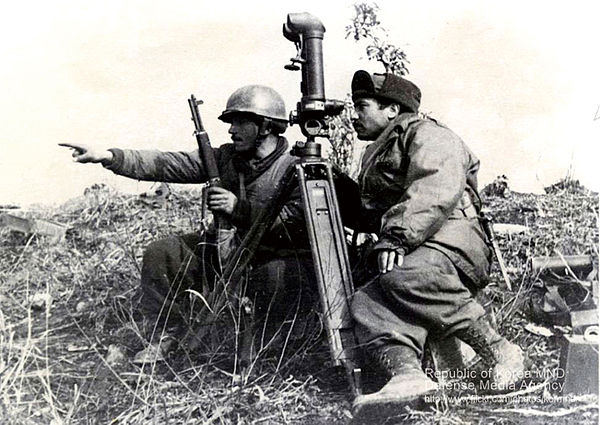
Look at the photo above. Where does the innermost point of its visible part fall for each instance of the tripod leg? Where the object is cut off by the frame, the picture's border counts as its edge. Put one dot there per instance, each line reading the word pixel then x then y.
pixel 332 267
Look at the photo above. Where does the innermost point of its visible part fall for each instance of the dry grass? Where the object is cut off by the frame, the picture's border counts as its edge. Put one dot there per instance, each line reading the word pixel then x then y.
pixel 69 361
pixel 69 328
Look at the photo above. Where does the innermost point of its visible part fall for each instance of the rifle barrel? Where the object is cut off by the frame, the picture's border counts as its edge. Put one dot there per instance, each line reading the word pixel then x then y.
pixel 206 152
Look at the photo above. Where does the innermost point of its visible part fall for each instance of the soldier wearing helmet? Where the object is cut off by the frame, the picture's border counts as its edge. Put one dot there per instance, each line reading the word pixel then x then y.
pixel 262 106
pixel 250 168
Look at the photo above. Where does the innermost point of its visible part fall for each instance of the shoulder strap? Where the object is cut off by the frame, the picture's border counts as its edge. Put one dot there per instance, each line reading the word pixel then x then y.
pixel 242 180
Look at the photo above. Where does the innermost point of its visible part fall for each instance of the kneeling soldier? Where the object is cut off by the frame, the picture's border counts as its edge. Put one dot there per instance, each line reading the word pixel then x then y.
pixel 418 190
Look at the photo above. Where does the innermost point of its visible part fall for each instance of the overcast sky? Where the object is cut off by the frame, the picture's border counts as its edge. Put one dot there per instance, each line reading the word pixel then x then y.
pixel 519 81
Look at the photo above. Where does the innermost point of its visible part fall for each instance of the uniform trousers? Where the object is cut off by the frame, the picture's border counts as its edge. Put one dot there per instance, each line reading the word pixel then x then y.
pixel 177 263
pixel 424 295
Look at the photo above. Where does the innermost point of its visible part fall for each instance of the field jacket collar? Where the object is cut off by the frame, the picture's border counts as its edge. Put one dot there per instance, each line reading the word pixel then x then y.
pixel 395 129
pixel 251 172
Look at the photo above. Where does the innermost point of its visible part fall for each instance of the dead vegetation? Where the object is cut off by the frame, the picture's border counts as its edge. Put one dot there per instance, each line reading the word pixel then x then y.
pixel 69 328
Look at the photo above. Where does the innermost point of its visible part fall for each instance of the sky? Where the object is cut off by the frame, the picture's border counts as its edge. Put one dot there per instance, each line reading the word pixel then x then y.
pixel 519 81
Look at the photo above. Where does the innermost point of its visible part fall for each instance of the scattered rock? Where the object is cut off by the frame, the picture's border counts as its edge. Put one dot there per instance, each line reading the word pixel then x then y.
pixel 538 330
pixel 41 301
pixel 115 356
pixel 81 306
pixel 72 348
pixel 151 354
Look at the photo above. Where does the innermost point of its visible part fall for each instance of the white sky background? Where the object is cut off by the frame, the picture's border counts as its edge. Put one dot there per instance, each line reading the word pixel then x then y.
pixel 519 81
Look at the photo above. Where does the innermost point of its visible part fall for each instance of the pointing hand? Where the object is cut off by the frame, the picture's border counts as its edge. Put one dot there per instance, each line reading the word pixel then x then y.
pixel 85 154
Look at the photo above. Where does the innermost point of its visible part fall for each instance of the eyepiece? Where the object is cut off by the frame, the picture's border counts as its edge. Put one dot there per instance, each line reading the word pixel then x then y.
pixel 302 24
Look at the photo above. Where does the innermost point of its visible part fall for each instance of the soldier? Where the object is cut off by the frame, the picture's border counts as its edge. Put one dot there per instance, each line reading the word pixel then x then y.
pixel 250 169
pixel 418 190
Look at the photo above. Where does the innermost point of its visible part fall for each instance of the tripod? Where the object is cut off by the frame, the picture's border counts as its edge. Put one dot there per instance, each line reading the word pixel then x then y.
pixel 314 177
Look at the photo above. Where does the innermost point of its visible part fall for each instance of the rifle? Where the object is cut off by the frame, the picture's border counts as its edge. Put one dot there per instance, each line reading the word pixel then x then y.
pixel 225 285
pixel 206 153
pixel 224 230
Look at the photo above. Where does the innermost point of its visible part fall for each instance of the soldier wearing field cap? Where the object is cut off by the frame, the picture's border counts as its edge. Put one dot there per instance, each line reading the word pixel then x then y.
pixel 418 190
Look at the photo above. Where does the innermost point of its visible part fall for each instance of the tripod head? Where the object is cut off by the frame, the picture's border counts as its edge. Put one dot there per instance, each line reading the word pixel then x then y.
pixel 306 32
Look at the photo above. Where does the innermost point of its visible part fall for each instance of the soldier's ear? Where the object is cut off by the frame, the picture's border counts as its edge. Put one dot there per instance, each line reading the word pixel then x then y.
pixel 393 110
pixel 265 127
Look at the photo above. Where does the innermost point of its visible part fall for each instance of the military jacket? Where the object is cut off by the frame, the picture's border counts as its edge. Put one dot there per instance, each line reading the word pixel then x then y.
pixel 253 184
pixel 418 186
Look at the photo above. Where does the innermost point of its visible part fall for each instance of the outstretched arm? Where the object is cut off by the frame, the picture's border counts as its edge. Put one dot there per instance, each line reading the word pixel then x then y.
pixel 149 165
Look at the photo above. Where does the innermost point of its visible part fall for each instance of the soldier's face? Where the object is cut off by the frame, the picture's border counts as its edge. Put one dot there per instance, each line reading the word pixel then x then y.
pixel 369 119
pixel 244 131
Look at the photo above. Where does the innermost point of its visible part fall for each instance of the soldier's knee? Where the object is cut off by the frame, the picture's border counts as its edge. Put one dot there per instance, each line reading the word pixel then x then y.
pixel 393 281
pixel 158 250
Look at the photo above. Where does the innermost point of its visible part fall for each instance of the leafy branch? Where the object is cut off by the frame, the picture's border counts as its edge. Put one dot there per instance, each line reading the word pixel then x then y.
pixel 364 25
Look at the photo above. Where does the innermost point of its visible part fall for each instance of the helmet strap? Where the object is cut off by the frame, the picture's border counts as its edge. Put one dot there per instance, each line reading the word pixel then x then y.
pixel 264 129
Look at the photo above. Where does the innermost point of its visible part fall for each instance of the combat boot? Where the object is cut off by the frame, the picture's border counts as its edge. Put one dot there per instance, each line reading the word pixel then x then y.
pixel 407 383
pixel 505 359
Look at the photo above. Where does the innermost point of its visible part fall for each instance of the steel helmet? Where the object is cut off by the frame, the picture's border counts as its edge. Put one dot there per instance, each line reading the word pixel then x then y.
pixel 258 100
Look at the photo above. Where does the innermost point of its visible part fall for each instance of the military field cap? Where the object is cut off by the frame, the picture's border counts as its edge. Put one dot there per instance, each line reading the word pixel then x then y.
pixel 386 87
